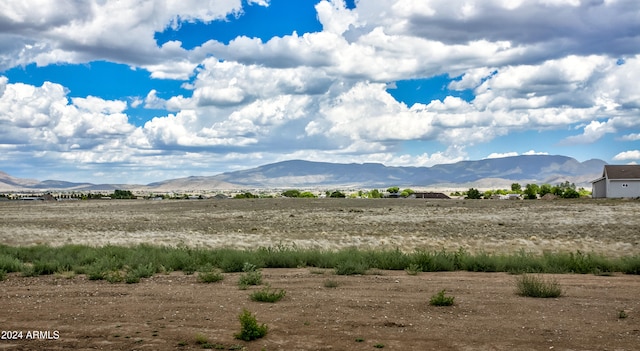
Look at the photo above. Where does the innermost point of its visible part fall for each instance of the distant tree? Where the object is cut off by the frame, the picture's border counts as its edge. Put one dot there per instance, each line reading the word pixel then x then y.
pixel 246 195
pixel 393 189
pixel 307 194
pixel 474 194
pixel 570 194
pixel 337 194
pixel 375 194
pixel 556 190
pixel 516 188
pixel 122 194
pixel 487 194
pixel 531 191
pixel 406 192
pixel 544 190
pixel 291 193
pixel 584 192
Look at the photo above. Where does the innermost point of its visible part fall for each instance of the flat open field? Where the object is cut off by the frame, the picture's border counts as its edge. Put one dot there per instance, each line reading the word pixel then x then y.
pixel 388 308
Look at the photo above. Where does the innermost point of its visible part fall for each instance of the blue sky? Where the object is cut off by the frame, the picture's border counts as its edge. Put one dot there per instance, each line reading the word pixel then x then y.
pixel 141 91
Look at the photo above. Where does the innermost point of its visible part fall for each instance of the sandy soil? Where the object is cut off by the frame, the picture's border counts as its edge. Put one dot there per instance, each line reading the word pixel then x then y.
pixel 389 308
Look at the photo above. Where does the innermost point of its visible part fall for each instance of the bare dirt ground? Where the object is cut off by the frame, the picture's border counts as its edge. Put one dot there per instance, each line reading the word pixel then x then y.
pixel 389 308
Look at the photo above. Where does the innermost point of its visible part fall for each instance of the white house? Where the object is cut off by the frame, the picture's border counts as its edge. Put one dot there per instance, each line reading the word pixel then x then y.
pixel 617 181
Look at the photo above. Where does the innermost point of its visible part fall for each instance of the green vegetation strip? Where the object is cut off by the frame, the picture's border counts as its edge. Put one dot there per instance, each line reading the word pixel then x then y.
pixel 130 263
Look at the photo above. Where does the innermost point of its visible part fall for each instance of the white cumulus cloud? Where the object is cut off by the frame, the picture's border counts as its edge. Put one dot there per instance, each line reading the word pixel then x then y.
pixel 628 155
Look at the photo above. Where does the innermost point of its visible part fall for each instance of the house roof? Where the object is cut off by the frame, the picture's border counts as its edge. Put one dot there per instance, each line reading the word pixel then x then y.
pixel 621 171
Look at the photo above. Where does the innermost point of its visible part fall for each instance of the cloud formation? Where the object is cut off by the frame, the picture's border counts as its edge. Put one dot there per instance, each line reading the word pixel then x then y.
pixel 529 66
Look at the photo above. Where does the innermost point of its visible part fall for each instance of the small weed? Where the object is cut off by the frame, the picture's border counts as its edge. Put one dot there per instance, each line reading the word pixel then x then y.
pixel 131 278
pixel 114 277
pixel 249 267
pixel 210 277
pixel 440 299
pixel 379 346
pixel 207 346
pixel 145 271
pixel 250 278
pixel 3 275
pixel 29 271
pixel 201 339
pixel 95 272
pixel 267 295
pixel 533 286
pixel 250 330
pixel 413 269
pixel 359 339
pixel 351 267
pixel 622 314
pixel 182 343
pixel 330 283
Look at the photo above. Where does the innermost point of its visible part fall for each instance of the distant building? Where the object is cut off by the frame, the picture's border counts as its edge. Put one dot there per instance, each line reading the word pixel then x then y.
pixel 617 181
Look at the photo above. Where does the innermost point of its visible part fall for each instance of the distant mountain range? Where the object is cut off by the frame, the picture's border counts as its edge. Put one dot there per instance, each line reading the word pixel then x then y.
pixel 487 173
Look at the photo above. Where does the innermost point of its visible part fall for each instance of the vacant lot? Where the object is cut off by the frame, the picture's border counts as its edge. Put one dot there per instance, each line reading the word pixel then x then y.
pixel 608 227
pixel 387 308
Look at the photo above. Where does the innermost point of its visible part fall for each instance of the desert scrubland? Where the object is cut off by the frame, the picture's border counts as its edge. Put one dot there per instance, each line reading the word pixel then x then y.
pixel 380 309
pixel 608 227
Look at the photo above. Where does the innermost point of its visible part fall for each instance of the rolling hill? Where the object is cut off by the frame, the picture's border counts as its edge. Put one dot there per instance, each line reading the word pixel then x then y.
pixel 487 173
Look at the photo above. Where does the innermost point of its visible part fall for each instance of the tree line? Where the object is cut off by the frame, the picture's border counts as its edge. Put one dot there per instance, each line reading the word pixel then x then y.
pixel 565 190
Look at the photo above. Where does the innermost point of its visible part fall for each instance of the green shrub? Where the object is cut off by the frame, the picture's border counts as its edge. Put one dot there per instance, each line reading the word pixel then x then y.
pixel 3 275
pixel 114 277
pixel 388 259
pixel 535 286
pixel 146 271
pixel 201 339
pixel 234 261
pixel 251 276
pixel 281 256
pixel 94 272
pixel 631 265
pixel 351 267
pixel 413 269
pixel 131 278
pixel 10 264
pixel 266 294
pixel 29 271
pixel 440 299
pixel 210 277
pixel 249 328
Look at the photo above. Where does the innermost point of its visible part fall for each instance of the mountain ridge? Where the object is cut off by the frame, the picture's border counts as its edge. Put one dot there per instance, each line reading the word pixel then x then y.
pixel 495 172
